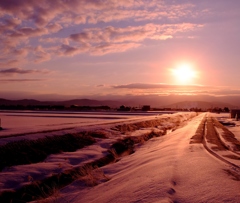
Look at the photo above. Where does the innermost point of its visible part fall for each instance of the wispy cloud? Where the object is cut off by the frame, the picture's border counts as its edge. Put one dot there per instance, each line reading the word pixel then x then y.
pixel 20 80
pixel 115 39
pixel 169 89
pixel 21 71
pixel 157 86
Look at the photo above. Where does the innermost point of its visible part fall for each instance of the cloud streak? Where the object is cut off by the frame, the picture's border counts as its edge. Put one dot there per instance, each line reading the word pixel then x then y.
pixel 157 86
pixel 169 89
pixel 11 71
pixel 20 80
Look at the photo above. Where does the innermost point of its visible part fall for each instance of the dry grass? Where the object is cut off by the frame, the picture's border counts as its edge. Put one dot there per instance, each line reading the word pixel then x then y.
pixel 176 121
pixel 94 177
pixel 235 176
pixel 232 157
pixel 126 145
pixel 97 134
pixel 48 186
pixel 34 151
pixel 198 137
pixel 139 125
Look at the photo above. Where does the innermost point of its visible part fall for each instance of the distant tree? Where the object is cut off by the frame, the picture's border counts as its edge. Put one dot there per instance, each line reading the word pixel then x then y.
pixel 124 108
pixel 226 109
pixel 217 110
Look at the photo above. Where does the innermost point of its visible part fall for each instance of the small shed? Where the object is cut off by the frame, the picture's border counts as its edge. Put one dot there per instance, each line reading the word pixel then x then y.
pixel 235 113
pixel 146 108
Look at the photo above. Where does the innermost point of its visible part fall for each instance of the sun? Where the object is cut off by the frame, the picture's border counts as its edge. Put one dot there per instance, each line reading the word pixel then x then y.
pixel 184 74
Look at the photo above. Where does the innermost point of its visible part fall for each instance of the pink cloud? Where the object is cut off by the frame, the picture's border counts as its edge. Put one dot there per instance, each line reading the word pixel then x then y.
pixel 41 55
pixel 44 12
pixel 54 27
pixel 112 48
pixel 20 80
pixel 10 63
pixel 23 20
pixel 131 33
pixel 29 32
pixel 158 86
pixel 67 50
pixel 114 39
pixel 9 24
pixel 12 71
pixel 20 52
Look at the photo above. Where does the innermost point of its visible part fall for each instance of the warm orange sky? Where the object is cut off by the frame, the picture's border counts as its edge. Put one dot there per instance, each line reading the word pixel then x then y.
pixel 81 48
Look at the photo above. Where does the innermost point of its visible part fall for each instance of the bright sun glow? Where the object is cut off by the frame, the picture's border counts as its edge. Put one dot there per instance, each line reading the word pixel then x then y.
pixel 184 74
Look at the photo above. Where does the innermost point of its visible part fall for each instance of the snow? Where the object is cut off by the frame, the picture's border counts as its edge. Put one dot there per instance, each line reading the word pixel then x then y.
pixel 235 129
pixel 17 176
pixel 164 169
pixel 19 122
pixel 229 145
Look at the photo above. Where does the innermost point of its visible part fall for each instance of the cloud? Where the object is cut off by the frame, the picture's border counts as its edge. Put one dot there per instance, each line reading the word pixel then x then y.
pixel 157 86
pixel 163 89
pixel 9 24
pixel 45 12
pixel 67 50
pixel 41 55
pixel 9 63
pixel 11 71
pixel 29 32
pixel 169 89
pixel 224 92
pixel 114 39
pixel 54 40
pixel 54 27
pixel 101 85
pixel 20 52
pixel 112 48
pixel 131 33
pixel 22 22
pixel 20 80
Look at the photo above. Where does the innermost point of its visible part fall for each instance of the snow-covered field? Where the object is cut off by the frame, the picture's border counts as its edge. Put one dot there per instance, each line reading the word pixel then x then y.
pixel 19 122
pixel 169 168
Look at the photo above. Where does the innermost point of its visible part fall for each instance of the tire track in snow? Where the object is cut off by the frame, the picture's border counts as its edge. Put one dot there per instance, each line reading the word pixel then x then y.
pixel 211 136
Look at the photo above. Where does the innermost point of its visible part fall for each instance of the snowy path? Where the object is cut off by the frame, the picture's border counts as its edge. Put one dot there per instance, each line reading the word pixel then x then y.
pixel 166 169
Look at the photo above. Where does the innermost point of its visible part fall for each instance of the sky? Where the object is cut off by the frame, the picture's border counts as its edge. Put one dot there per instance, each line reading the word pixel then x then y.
pixel 107 48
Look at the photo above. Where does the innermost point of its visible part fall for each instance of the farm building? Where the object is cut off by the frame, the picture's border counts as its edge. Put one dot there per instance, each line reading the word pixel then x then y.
pixel 235 113
pixel 146 108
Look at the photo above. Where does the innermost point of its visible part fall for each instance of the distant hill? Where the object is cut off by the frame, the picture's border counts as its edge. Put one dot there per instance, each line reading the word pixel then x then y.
pixel 23 102
pixel 79 102
pixel 90 102
pixel 171 101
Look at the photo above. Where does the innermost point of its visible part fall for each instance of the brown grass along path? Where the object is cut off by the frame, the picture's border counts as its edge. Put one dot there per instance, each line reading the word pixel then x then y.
pixel 34 151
